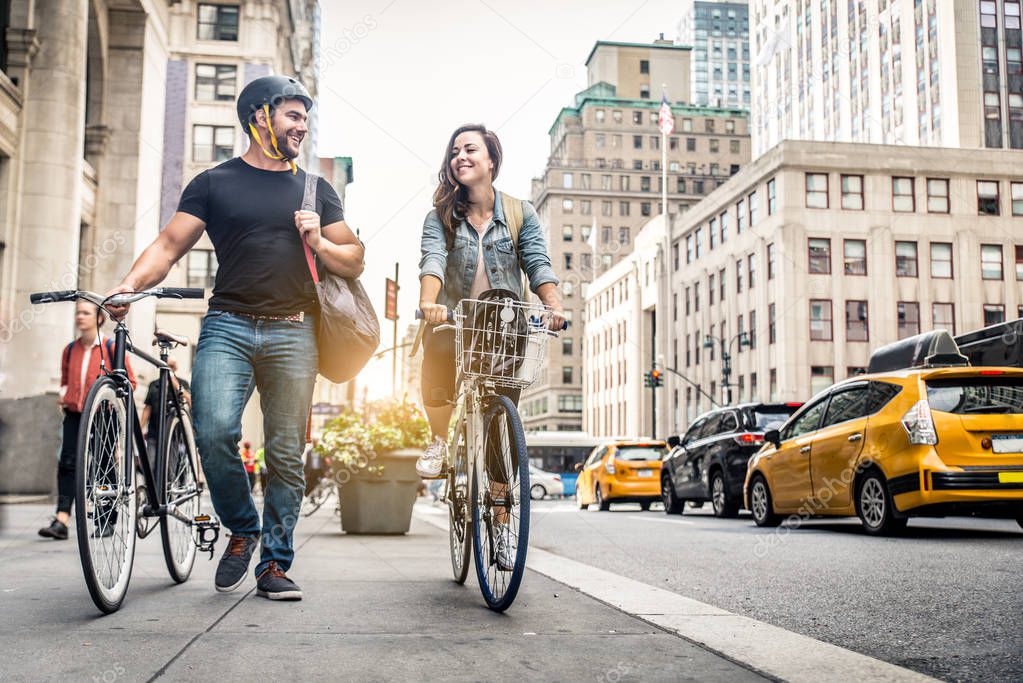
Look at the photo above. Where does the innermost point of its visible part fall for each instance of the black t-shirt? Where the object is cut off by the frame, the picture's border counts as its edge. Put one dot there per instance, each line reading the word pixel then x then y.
pixel 152 398
pixel 250 218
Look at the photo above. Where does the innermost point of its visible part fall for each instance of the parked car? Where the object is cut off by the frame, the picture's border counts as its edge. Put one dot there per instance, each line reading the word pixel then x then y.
pixel 623 471
pixel 709 461
pixel 543 484
pixel 939 438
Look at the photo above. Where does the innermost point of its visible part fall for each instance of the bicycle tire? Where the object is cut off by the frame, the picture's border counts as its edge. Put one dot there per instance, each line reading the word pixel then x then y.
pixel 499 587
pixel 180 464
pixel 104 473
pixel 317 497
pixel 459 517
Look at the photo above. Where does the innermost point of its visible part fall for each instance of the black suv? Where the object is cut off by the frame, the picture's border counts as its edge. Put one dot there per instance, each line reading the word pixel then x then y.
pixel 709 461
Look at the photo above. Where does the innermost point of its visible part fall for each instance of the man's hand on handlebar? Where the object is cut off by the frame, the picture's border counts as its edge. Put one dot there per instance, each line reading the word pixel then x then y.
pixel 557 321
pixel 436 314
pixel 118 312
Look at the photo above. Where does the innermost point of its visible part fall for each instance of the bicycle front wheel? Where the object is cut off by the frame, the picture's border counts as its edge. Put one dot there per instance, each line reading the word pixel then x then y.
pixel 180 488
pixel 500 504
pixel 459 517
pixel 105 506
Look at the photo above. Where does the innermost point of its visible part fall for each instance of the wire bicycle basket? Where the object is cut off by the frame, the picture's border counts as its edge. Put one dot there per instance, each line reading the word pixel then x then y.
pixel 503 340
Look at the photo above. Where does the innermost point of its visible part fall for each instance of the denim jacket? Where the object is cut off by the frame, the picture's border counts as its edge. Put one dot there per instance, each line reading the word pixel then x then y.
pixel 456 267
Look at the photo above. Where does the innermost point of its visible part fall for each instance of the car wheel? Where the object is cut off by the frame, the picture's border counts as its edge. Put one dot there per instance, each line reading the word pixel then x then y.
pixel 1019 520
pixel 672 505
pixel 724 505
pixel 874 506
pixel 760 503
pixel 602 504
pixel 537 492
pixel 579 500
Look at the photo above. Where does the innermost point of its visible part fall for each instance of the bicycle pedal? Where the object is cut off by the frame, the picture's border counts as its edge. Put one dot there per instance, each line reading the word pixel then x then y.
pixel 209 532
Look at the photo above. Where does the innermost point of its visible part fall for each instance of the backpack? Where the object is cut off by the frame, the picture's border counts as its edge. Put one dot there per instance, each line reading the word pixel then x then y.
pixel 513 215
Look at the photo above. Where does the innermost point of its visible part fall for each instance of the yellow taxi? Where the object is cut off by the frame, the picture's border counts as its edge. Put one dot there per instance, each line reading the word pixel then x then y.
pixel 621 471
pixel 936 438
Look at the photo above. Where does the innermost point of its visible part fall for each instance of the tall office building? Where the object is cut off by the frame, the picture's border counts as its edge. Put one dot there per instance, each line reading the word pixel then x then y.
pixel 942 73
pixel 718 32
pixel 604 174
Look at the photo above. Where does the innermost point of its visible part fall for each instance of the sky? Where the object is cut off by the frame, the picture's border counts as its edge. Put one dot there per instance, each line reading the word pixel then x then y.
pixel 398 76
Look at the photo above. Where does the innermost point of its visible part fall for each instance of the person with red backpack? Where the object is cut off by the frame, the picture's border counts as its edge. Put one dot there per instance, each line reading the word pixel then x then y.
pixel 79 368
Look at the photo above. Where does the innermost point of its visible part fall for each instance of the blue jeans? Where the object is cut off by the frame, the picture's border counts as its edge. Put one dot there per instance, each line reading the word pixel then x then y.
pixel 236 354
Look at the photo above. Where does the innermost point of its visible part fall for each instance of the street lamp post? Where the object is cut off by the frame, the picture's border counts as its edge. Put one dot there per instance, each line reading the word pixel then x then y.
pixel 726 358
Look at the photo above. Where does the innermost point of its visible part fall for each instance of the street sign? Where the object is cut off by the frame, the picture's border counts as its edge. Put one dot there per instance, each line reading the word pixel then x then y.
pixel 391 305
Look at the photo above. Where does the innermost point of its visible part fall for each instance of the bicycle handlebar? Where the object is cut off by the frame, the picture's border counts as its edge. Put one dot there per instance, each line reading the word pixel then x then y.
pixel 51 297
pixel 451 318
pixel 118 299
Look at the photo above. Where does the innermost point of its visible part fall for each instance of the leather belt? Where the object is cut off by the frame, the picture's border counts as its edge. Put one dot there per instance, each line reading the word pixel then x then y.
pixel 294 318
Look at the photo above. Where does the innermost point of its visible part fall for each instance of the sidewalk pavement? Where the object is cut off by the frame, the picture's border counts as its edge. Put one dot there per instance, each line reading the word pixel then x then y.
pixel 375 608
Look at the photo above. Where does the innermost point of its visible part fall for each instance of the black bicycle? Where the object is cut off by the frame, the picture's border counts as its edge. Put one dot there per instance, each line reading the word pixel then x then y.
pixel 112 507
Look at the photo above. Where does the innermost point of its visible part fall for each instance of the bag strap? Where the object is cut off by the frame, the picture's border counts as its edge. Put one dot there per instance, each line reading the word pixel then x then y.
pixel 513 216
pixel 309 204
pixel 67 353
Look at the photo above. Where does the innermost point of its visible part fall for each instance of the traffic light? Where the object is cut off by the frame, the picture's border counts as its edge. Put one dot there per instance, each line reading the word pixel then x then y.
pixel 654 378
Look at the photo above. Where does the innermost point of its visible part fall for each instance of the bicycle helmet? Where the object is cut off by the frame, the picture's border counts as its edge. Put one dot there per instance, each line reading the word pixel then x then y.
pixel 264 94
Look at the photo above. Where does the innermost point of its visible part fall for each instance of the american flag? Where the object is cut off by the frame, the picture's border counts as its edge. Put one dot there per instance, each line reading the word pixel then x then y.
pixel 665 119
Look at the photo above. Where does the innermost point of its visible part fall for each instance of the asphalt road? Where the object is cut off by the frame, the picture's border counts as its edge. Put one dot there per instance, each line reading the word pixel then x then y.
pixel 943 599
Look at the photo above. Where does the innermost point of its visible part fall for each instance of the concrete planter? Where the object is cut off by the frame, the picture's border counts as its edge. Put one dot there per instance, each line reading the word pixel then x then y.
pixel 379 501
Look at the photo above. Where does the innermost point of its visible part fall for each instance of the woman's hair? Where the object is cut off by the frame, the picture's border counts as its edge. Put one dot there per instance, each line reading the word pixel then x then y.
pixel 451 198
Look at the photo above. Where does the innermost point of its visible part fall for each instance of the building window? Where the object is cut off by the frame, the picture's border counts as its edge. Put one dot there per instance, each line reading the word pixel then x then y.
pixel 623 208
pixel 937 195
pixel 570 404
pixel 689 248
pixel 567 205
pixel 598 115
pixel 821 377
pixel 855 257
pixel 637 142
pixel 905 259
pixel 856 321
pixel 212 143
pixel 771 324
pixel 566 346
pixel 710 289
pixel 943 315
pixel 721 284
pixel 566 233
pixel 773 385
pixel 816 191
pixel 714 145
pixel 712 229
pixel 723 221
pixel 903 199
pixel 644 66
pixel 909 318
pixel 566 374
pixel 820 255
pixel 215 82
pixel 751 262
pixel 1019 262
pixel 852 192
pixel 820 320
pixel 941 259
pixel 568 261
pixel 752 330
pixel 987 197
pixel 218 22
pixel 752 201
pixel 991 262
pixel 771 198
pixel 202 268
pixel 740 216
pixel 623 236
pixel 771 261
pixel 993 314
pixel 616 115
pixel 644 208
pixel 1017 198
pixel 568 287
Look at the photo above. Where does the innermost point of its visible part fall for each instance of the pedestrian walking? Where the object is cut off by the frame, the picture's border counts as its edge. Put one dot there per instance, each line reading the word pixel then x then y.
pixel 260 330
pixel 80 366
pixel 152 399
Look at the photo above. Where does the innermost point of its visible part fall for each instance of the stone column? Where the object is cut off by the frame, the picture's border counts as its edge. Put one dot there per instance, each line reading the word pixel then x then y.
pixel 47 245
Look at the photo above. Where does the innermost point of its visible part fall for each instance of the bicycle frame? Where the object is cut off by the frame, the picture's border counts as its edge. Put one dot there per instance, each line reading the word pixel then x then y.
pixel 135 443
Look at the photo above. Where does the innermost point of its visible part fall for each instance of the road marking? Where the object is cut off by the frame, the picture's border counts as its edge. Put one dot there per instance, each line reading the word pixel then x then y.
pixel 767 649
pixel 660 520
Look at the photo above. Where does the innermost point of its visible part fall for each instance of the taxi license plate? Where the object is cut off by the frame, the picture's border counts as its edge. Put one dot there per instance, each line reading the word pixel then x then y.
pixel 1010 477
pixel 1007 443
pixel 645 473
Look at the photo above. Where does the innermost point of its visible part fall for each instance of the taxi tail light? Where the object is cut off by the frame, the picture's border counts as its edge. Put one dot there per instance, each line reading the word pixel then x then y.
pixel 919 424
pixel 749 439
pixel 609 466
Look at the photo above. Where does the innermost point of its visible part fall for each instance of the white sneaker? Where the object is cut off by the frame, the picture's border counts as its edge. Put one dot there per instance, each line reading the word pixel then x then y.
pixel 433 460
pixel 504 549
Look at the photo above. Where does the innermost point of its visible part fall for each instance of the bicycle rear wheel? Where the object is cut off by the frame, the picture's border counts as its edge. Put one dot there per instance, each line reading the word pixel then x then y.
pixel 500 504
pixel 459 516
pixel 105 505
pixel 178 480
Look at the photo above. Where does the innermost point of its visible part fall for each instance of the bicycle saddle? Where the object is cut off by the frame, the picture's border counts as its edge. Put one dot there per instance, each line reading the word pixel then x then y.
pixel 165 337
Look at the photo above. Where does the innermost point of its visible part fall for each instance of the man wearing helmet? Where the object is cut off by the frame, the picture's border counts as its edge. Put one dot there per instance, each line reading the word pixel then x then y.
pixel 260 330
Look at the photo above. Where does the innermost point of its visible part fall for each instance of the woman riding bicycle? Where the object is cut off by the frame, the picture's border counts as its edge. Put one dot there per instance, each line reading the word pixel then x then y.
pixel 467 249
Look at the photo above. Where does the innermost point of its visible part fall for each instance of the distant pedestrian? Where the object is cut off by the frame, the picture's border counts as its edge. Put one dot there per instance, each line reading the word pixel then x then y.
pixel 79 368
pixel 249 460
pixel 149 425
pixel 261 464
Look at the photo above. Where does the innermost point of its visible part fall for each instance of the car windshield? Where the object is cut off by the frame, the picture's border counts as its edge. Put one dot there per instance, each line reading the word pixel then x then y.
pixel 773 417
pixel 976 395
pixel 640 453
